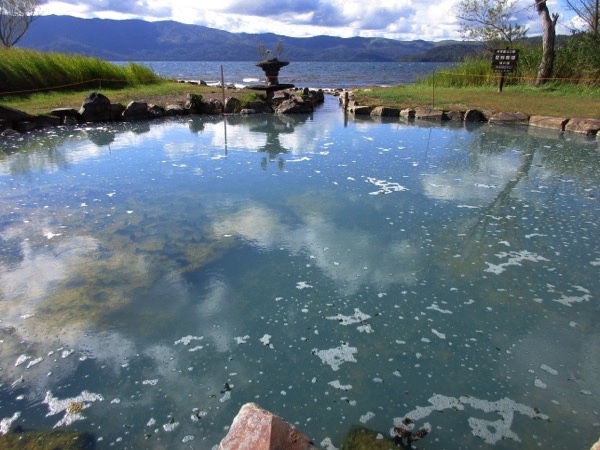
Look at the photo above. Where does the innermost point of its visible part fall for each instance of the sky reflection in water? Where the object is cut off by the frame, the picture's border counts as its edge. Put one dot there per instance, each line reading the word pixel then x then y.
pixel 336 272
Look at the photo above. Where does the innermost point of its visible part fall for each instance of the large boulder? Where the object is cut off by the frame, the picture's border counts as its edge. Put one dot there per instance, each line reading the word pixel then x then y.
pixel 474 115
pixel 430 114
pixel 583 126
pixel 193 103
pixel 136 111
pixel 11 115
pixel 259 107
pixel 295 105
pixel 95 108
pixel 385 111
pixel 213 106
pixel 257 429
pixel 509 118
pixel 232 105
pixel 552 123
pixel 66 115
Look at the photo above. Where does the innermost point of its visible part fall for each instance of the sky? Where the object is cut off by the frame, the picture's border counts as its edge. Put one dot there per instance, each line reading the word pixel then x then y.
pixel 394 19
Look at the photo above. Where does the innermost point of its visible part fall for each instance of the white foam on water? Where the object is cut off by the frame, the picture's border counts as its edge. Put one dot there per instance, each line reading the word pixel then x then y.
pixel 22 359
pixel 150 382
pixel 435 307
pixel 186 340
pixel 266 340
pixel 302 285
pixel 33 362
pixel 6 423
pixel 188 438
pixel 171 426
pixel 327 444
pixel 568 300
pixel 385 187
pixel 549 369
pixel 242 339
pixel 438 334
pixel 514 259
pixel 539 383
pixel 366 417
pixel 335 357
pixel 304 158
pixel 66 353
pixel 342 387
pixel 83 401
pixel 490 431
pixel 357 317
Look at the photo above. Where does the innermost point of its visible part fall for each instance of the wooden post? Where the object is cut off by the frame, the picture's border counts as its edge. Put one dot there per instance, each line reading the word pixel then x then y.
pixel 433 91
pixel 501 82
pixel 223 88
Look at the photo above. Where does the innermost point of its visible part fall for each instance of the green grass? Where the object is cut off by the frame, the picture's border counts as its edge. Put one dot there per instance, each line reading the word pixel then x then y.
pixel 161 93
pixel 24 70
pixel 553 99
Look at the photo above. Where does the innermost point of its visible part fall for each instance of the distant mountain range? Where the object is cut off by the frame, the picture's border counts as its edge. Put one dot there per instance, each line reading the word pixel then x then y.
pixel 137 40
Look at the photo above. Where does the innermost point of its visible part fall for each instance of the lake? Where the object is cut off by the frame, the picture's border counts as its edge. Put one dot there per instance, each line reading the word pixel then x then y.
pixel 340 272
pixel 325 75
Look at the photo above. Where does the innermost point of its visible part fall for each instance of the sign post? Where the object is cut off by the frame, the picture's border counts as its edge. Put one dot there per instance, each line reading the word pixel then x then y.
pixel 504 61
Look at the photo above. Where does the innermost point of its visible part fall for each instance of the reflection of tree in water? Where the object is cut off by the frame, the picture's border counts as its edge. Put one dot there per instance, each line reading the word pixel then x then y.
pixel 101 136
pixel 500 218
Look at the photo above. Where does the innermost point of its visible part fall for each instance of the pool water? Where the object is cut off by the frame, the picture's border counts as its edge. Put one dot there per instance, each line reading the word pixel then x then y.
pixel 339 272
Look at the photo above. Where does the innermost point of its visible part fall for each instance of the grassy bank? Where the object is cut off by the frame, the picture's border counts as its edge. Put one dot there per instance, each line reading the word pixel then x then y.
pixel 553 99
pixel 24 70
pixel 162 93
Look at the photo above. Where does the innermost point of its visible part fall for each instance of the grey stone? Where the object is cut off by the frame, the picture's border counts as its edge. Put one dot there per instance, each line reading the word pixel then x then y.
pixel 135 111
pixel 510 118
pixel 155 111
pixel 295 105
pixel 95 108
pixel 193 103
pixel 583 126
pixel 213 106
pixel 408 113
pixel 232 105
pixel 385 111
pixel 456 116
pixel 553 123
pixel 474 115
pixel 174 110
pixel 429 114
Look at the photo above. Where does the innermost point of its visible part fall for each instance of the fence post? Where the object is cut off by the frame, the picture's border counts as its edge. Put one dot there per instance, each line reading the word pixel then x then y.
pixel 223 87
pixel 433 91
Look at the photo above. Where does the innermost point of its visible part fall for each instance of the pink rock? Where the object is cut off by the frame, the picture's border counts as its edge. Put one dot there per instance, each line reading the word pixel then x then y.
pixel 257 429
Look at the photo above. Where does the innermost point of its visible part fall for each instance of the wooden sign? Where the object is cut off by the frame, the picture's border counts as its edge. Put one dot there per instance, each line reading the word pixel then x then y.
pixel 505 60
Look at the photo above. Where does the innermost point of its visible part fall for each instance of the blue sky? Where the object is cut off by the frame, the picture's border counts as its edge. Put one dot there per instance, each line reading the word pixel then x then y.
pixel 395 19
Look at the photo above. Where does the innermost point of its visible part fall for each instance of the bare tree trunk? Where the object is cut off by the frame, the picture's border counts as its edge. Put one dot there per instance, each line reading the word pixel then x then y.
pixel 549 26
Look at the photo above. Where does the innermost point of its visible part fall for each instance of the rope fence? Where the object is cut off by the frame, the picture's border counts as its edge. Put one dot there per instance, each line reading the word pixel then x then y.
pixel 51 88
pixel 451 74
pixel 514 77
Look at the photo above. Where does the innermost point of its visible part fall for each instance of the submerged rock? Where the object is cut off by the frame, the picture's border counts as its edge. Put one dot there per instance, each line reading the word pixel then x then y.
pixel 360 438
pixel 47 440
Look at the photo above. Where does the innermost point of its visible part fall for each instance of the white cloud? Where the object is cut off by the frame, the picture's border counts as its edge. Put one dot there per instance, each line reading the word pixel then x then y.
pixel 396 19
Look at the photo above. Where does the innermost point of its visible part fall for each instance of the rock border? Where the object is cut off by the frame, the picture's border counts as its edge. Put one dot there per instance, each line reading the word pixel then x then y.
pixel 580 125
pixel 97 108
